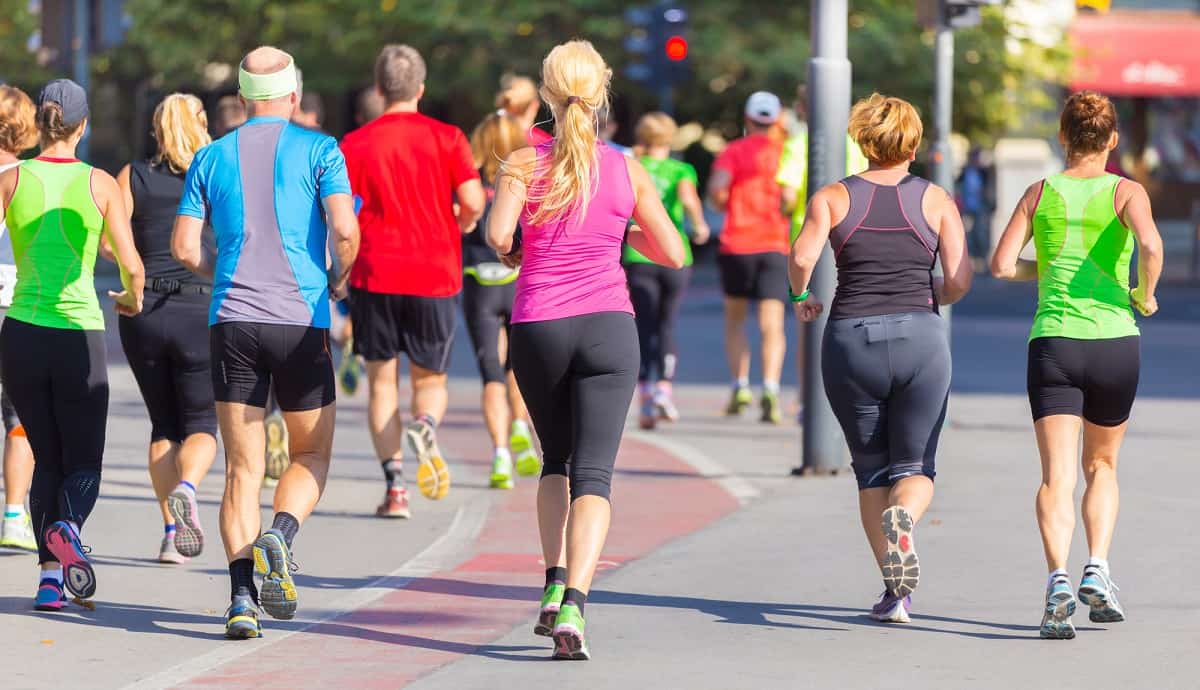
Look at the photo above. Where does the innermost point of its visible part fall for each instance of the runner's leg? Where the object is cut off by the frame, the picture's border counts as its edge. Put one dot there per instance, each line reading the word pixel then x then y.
pixel 1058 445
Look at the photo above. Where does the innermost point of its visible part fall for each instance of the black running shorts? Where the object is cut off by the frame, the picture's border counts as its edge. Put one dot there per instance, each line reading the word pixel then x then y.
pixel 1093 379
pixel 386 326
pixel 248 357
pixel 754 276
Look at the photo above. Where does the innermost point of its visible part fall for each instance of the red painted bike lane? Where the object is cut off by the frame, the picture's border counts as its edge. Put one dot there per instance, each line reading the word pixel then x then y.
pixel 435 620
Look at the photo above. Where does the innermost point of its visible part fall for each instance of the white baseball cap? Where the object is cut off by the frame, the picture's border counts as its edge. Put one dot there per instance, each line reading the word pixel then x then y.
pixel 763 107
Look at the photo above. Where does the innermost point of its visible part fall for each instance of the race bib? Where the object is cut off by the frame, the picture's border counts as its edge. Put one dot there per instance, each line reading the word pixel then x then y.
pixel 493 273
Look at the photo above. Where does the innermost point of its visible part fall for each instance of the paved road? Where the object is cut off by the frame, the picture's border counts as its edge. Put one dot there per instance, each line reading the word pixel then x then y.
pixel 721 572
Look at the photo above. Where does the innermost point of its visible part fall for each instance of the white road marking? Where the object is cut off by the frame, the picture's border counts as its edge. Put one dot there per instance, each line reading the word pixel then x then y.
pixel 737 486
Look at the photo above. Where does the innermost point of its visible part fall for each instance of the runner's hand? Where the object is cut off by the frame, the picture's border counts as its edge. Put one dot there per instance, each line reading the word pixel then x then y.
pixel 701 233
pixel 127 303
pixel 511 260
pixel 809 309
pixel 1147 305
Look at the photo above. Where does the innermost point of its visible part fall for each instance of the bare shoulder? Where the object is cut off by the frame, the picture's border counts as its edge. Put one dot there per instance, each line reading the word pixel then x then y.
pixel 832 194
pixel 124 173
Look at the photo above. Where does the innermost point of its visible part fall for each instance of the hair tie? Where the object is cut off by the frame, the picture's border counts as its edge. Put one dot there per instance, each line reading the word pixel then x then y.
pixel 574 99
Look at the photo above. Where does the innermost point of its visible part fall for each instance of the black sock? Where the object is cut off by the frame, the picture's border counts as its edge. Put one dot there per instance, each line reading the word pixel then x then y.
pixel 556 576
pixel 241 579
pixel 288 524
pixel 574 596
pixel 392 473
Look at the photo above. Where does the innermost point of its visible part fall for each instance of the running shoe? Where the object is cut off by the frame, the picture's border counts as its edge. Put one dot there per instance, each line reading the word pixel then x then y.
pixel 771 413
pixel 168 552
pixel 273 561
pixel 241 620
pixel 50 596
pixel 665 406
pixel 502 471
pixel 1060 606
pixel 891 609
pixel 901 568
pixel 189 536
pixel 63 543
pixel 647 413
pixel 551 603
pixel 433 476
pixel 521 444
pixel 569 642
pixel 348 369
pixel 739 401
pixel 17 533
pixel 277 446
pixel 395 504
pixel 1099 592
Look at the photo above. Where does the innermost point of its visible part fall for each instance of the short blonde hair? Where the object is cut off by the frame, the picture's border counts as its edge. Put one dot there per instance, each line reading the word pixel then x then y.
pixel 887 129
pixel 18 130
pixel 492 141
pixel 655 129
pixel 517 93
pixel 181 129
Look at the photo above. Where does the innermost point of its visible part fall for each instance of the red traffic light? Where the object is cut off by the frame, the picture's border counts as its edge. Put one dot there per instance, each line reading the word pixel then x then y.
pixel 677 48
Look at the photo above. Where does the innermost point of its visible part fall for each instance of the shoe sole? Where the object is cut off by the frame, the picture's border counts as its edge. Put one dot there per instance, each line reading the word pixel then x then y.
pixel 771 415
pixel 528 463
pixel 501 481
pixel 1101 609
pixel 1056 624
pixel 569 644
pixel 433 476
pixel 278 596
pixel 277 450
pixel 901 567
pixel 79 576
pixel 896 615
pixel 545 624
pixel 189 536
pixel 50 607
pixel 393 514
pixel 242 631
pixel 172 558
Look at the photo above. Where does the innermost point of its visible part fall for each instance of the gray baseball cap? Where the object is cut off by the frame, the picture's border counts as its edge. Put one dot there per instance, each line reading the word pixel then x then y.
pixel 763 107
pixel 69 96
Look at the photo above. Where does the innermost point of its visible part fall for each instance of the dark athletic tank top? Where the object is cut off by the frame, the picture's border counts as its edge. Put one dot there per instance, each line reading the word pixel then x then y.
pixel 885 250
pixel 156 193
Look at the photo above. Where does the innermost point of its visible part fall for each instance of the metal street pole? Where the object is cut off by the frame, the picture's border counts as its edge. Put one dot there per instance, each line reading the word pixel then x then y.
pixel 943 104
pixel 829 76
pixel 80 50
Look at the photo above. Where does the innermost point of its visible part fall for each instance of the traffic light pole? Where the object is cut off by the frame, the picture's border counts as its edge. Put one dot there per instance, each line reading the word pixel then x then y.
pixel 666 99
pixel 80 50
pixel 943 104
pixel 829 75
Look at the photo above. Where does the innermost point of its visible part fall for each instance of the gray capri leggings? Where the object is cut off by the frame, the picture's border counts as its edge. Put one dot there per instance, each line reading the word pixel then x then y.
pixel 577 376
pixel 888 378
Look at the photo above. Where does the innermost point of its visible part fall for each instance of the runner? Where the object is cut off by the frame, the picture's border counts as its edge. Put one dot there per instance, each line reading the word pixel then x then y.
pixel 420 192
pixel 488 292
pixel 167 344
pixel 1084 346
pixel 18 133
pixel 269 317
pixel 519 97
pixel 885 356
pixel 54 361
pixel 753 252
pixel 657 291
pixel 574 342
pixel 793 183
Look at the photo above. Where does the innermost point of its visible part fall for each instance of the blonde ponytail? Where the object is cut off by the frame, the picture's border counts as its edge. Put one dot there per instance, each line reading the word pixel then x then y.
pixel 575 83
pixel 181 128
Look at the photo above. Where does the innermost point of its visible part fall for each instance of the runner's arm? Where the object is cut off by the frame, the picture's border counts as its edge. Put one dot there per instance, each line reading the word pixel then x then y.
pixel 957 270
pixel 470 204
pixel 1139 218
pixel 788 195
pixel 806 250
pixel 1006 261
pixel 654 233
pixel 718 188
pixel 510 199
pixel 694 208
pixel 119 236
pixel 187 247
pixel 345 236
pixel 105 248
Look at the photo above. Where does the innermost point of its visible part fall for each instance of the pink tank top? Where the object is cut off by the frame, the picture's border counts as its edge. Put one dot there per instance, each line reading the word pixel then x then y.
pixel 572 266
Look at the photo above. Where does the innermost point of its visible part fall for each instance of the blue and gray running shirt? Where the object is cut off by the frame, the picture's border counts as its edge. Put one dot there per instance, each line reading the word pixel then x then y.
pixel 261 187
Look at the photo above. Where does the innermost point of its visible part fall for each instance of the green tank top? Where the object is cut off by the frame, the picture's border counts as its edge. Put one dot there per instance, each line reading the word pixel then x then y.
pixel 667 173
pixel 55 228
pixel 1083 256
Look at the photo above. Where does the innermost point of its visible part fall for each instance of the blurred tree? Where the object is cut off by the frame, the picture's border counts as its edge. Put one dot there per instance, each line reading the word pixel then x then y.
pixel 19 41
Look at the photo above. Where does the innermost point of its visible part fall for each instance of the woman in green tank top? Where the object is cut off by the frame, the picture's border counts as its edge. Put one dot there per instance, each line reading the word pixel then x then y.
pixel 52 352
pixel 1084 346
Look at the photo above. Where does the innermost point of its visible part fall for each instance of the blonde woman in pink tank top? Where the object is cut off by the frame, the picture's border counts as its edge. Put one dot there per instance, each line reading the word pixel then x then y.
pixel 574 345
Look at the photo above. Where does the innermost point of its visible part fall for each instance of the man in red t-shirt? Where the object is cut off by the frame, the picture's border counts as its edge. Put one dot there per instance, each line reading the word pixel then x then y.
pixel 420 192
pixel 753 252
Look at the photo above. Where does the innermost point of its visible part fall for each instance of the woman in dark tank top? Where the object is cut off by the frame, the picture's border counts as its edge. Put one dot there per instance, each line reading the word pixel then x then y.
pixel 167 344
pixel 885 356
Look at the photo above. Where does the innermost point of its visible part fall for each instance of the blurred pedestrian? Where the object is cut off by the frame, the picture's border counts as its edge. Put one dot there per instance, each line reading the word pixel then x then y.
pixel 519 97
pixel 368 106
pixel 977 193
pixel 230 114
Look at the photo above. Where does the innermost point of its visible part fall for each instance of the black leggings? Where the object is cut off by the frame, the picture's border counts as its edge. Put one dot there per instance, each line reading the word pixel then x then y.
pixel 488 309
pixel 167 349
pixel 58 381
pixel 656 292
pixel 577 376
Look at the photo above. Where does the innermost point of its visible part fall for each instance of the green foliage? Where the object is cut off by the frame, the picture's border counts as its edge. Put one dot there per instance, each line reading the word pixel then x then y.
pixel 18 64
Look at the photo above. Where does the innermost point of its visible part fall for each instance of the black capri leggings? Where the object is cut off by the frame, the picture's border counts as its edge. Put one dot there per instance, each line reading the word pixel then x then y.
pixel 488 309
pixel 577 376
pixel 656 292
pixel 167 349
pixel 887 378
pixel 58 381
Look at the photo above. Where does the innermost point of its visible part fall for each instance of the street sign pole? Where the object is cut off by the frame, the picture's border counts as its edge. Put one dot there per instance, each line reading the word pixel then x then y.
pixel 829 75
pixel 943 103
pixel 80 50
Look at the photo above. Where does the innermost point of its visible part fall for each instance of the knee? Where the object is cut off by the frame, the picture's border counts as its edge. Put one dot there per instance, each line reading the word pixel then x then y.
pixel 591 481
pixel 1099 464
pixel 552 468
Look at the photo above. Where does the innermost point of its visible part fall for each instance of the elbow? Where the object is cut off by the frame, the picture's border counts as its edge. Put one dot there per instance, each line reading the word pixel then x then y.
pixel 802 264
pixel 1152 250
pixel 676 260
pixel 1003 270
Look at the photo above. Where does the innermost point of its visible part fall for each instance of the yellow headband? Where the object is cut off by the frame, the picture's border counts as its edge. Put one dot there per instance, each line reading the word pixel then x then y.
pixel 264 87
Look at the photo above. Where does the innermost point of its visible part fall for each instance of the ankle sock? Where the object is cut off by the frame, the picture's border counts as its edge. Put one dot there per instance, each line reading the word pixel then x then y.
pixel 520 426
pixel 427 418
pixel 288 525
pixel 189 486
pixel 501 451
pixel 169 528
pixel 574 596
pixel 56 575
pixel 1055 574
pixel 556 576
pixel 14 510
pixel 1100 563
pixel 771 388
pixel 741 382
pixel 393 472
pixel 241 579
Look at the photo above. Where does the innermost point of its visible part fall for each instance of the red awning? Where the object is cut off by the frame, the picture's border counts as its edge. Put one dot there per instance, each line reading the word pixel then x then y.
pixel 1137 53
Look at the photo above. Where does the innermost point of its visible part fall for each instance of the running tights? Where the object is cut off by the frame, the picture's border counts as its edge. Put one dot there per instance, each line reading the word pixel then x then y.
pixel 656 292
pixel 577 376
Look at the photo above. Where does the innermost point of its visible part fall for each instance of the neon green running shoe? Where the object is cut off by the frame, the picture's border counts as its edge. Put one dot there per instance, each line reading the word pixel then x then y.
pixel 569 643
pixel 349 369
pixel 739 401
pixel 521 443
pixel 17 533
pixel 770 408
pixel 551 602
pixel 502 469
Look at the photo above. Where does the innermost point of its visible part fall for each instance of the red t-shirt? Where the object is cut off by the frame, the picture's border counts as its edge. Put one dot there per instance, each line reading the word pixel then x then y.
pixel 754 222
pixel 406 167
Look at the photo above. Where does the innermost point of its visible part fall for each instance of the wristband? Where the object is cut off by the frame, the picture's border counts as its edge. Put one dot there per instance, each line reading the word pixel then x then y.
pixel 800 297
